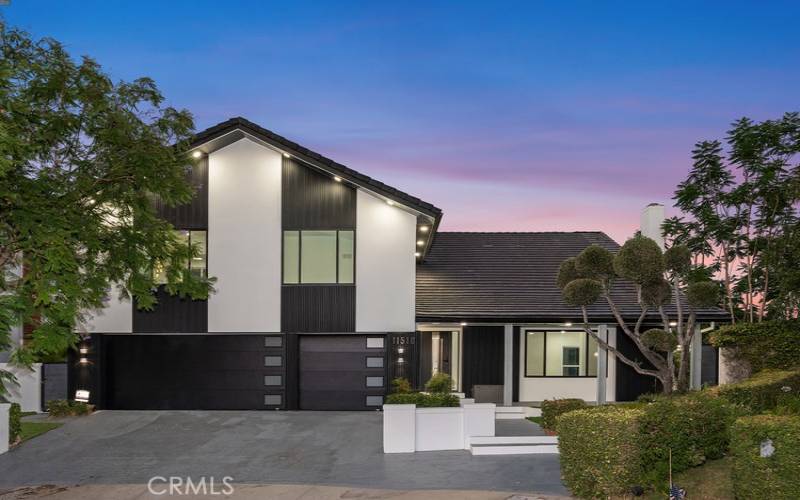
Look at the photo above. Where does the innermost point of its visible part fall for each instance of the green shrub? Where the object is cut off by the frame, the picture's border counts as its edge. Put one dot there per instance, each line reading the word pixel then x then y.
pixel 694 426
pixel 775 477
pixel 610 449
pixel 64 408
pixel 766 345
pixel 599 450
pixel 552 408
pixel 14 423
pixel 59 408
pixel 788 404
pixel 761 392
pixel 401 385
pixel 440 383
pixel 423 400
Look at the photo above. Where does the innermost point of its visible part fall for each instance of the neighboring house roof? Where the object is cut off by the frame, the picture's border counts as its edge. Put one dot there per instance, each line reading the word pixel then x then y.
pixel 492 277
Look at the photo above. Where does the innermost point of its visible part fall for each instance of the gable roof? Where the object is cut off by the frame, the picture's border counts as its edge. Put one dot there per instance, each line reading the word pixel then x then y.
pixel 490 277
pixel 222 134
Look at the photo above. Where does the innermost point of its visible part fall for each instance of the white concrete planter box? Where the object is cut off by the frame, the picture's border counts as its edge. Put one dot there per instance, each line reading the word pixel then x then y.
pixel 407 429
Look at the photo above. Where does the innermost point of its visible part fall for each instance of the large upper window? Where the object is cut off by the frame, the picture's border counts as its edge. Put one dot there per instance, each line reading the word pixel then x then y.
pixel 198 265
pixel 560 354
pixel 318 256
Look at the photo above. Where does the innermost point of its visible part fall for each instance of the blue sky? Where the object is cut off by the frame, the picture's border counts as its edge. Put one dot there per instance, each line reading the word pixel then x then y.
pixel 518 116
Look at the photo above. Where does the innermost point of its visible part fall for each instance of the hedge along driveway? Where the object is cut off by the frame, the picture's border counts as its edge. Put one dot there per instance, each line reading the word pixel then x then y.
pixel 776 477
pixel 608 450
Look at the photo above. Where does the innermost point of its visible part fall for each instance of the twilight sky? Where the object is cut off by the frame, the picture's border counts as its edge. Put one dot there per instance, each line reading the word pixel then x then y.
pixel 510 116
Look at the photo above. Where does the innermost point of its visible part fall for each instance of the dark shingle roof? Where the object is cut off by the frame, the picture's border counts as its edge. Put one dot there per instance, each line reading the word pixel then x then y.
pixel 509 276
pixel 313 157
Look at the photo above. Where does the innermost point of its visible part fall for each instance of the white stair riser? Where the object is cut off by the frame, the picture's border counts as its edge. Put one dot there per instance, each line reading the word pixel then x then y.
pixel 513 440
pixel 545 449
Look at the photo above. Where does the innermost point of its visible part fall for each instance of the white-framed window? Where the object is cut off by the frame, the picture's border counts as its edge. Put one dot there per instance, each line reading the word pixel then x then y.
pixel 560 353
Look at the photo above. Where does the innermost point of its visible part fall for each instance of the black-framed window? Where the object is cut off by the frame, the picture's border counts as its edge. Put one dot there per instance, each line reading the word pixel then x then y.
pixel 198 265
pixel 560 353
pixel 318 257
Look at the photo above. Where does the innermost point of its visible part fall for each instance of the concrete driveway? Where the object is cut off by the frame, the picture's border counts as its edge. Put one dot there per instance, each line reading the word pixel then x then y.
pixel 319 448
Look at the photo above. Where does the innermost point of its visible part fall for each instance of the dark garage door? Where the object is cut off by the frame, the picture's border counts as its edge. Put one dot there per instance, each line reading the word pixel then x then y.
pixel 342 372
pixel 193 372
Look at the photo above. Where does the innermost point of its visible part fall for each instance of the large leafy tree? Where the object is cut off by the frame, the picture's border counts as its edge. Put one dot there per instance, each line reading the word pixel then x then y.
pixel 741 215
pixel 660 279
pixel 81 159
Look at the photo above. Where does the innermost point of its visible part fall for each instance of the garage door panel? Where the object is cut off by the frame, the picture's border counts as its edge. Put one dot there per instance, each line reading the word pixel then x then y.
pixel 327 361
pixel 333 373
pixel 341 400
pixel 337 343
pixel 189 372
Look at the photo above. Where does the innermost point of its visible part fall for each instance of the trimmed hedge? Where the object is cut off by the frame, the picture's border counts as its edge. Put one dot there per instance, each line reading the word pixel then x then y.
pixel 611 449
pixel 763 391
pixel 422 400
pixel 776 477
pixel 766 345
pixel 14 423
pixel 694 426
pixel 599 450
pixel 552 408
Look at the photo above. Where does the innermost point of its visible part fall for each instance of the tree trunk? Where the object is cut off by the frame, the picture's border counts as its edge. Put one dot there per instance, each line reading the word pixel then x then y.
pixel 683 368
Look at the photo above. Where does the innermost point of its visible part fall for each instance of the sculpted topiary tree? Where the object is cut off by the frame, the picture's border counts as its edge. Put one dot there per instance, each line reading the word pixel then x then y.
pixel 660 278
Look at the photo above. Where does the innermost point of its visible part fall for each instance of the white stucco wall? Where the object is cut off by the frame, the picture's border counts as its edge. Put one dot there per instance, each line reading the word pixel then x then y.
pixel 244 238
pixel 385 266
pixel 28 389
pixel 115 317
pixel 541 388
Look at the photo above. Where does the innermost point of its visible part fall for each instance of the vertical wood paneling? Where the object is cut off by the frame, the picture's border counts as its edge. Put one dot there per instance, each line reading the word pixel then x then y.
pixel 483 356
pixel 515 366
pixel 318 308
pixel 193 215
pixel 172 314
pixel 312 200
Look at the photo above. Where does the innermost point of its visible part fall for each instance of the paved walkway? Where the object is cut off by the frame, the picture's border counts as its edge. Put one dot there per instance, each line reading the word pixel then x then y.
pixel 263 448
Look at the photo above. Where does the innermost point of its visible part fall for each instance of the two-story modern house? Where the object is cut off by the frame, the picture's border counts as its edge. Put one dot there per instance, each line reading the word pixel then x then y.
pixel 330 284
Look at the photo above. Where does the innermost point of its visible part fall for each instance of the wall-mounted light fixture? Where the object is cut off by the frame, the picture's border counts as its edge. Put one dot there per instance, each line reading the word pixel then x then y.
pixel 400 360
pixel 673 323
pixel 83 361
pixel 463 323
pixel 417 254
pixel 287 155
pixel 568 324
pixel 337 178
pixel 83 350
pixel 420 243
pixel 390 202
pixel 423 229
pixel 197 154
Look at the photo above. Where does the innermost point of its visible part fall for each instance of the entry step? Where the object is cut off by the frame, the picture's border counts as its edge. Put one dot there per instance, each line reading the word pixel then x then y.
pixel 513 445
pixel 484 440
pixel 509 412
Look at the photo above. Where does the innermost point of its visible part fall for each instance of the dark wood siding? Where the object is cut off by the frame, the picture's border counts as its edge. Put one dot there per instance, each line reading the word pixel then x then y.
pixel 172 314
pixel 318 308
pixel 193 215
pixel 515 366
pixel 312 200
pixel 483 356
pixel 630 383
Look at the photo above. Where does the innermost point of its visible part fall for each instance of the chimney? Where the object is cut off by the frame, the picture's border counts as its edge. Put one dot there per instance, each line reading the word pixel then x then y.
pixel 650 225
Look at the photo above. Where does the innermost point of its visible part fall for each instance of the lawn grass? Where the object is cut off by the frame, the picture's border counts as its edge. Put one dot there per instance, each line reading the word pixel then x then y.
pixel 535 420
pixel 32 429
pixel 711 481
